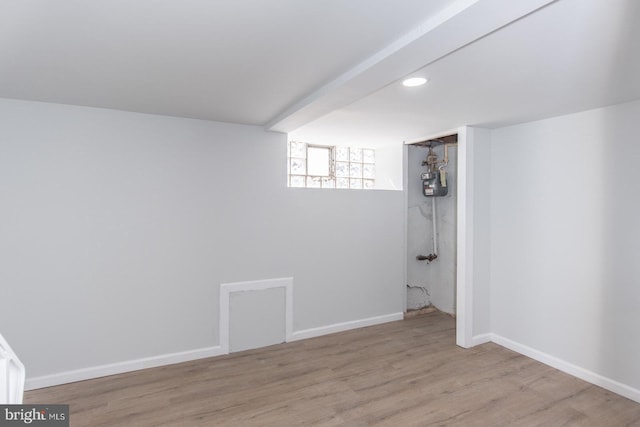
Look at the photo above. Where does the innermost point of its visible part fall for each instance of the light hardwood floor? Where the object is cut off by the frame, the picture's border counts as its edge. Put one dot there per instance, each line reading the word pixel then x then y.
pixel 406 373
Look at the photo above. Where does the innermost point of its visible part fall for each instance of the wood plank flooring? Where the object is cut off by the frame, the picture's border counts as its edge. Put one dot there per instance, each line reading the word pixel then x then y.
pixel 406 373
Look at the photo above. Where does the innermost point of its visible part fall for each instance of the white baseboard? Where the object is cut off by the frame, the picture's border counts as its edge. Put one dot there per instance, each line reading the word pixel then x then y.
pixel 569 368
pixel 121 367
pixel 186 356
pixel 480 339
pixel 345 326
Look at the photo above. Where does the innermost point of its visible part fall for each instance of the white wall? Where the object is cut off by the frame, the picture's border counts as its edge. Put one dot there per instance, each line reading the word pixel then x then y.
pixel 117 228
pixel 473 286
pixel 565 244
pixel 389 167
pixel 439 276
pixel 481 176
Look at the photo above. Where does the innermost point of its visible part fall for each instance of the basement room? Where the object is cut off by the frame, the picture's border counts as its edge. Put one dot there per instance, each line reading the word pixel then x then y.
pixel 331 213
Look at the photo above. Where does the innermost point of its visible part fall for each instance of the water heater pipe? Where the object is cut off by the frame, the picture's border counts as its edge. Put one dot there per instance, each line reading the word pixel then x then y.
pixel 435 228
pixel 446 152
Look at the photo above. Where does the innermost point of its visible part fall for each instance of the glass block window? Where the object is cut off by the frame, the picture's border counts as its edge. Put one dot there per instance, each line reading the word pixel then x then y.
pixel 324 166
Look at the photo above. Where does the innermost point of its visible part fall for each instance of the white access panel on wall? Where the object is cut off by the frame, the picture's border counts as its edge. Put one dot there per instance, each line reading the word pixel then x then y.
pixel 256 319
pixel 255 314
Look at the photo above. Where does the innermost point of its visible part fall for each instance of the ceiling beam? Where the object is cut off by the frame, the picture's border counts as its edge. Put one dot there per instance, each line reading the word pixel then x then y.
pixel 464 22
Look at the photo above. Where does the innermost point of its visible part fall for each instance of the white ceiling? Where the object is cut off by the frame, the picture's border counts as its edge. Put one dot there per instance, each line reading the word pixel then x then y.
pixel 327 70
pixel 241 61
pixel 569 56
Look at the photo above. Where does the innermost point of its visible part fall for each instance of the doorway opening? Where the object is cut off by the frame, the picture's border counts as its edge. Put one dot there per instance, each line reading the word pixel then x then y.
pixel 431 221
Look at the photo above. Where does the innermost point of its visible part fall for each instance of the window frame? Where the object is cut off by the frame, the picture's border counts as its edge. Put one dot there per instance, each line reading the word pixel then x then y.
pixel 332 160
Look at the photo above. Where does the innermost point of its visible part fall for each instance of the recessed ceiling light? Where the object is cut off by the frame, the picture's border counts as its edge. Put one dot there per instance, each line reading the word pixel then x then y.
pixel 414 81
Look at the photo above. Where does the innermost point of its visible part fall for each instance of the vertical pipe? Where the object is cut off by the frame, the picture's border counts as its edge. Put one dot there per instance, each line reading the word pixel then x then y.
pixel 433 223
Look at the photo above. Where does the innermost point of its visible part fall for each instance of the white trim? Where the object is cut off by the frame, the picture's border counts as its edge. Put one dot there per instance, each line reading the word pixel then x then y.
pixel 121 367
pixel 12 375
pixel 202 353
pixel 405 226
pixel 480 339
pixel 255 285
pixel 219 350
pixel 345 326
pixel 569 368
pixel 464 231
